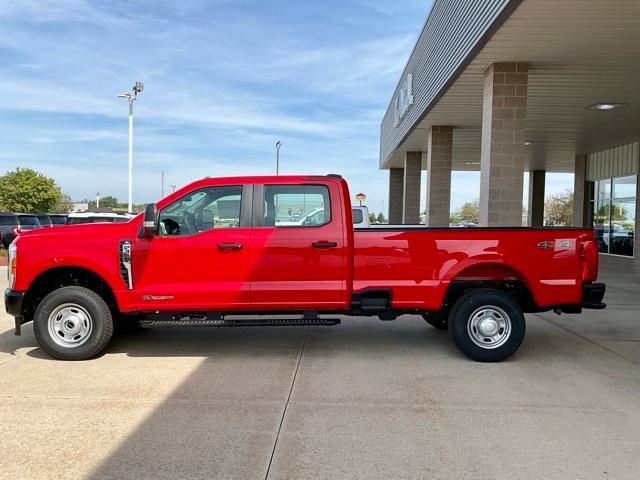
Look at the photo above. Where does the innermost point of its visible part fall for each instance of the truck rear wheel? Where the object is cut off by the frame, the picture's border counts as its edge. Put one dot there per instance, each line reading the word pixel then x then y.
pixel 487 325
pixel 73 323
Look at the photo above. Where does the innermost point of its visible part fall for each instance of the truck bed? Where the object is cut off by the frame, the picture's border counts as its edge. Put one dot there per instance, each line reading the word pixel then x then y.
pixel 419 263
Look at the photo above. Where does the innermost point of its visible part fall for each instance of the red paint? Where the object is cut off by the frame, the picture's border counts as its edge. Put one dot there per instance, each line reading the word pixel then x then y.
pixel 278 269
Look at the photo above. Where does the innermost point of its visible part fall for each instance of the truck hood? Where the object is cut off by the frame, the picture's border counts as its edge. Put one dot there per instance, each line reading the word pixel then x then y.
pixel 83 230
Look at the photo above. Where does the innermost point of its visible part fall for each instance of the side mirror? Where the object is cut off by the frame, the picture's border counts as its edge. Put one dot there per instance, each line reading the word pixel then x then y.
pixel 150 222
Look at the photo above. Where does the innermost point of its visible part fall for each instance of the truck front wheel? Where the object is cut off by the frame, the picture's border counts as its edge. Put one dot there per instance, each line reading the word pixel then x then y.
pixel 487 325
pixel 73 323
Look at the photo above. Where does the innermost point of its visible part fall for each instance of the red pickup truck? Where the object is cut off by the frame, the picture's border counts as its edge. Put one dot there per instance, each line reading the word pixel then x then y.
pixel 247 245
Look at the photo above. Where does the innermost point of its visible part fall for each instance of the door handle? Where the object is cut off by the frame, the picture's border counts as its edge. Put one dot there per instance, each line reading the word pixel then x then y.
pixel 324 244
pixel 229 246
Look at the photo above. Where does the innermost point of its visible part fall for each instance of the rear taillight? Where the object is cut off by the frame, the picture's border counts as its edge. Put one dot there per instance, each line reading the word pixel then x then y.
pixel 589 254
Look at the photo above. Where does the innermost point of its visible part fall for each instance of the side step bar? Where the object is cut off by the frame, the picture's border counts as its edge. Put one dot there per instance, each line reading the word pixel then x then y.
pixel 205 322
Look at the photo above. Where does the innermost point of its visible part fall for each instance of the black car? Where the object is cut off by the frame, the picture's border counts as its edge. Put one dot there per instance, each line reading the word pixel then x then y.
pixel 44 219
pixel 58 219
pixel 28 221
pixel 8 221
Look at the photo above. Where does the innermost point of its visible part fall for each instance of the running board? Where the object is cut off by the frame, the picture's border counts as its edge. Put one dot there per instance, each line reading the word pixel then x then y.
pixel 271 322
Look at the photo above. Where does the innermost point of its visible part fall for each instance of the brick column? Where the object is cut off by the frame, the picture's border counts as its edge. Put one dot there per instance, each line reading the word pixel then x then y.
pixel 535 205
pixel 504 110
pixel 439 159
pixel 581 193
pixel 396 193
pixel 412 176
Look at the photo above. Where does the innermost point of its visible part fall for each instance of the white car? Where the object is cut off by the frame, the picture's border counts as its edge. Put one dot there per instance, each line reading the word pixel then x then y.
pixel 95 217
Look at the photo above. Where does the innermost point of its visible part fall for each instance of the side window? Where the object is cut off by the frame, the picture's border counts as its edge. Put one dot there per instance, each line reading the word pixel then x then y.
pixel 204 209
pixel 296 206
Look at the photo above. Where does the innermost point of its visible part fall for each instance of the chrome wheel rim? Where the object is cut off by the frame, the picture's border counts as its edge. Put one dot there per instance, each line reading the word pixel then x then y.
pixel 489 327
pixel 70 325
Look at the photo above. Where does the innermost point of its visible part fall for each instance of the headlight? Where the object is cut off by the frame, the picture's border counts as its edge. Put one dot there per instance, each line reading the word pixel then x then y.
pixel 11 271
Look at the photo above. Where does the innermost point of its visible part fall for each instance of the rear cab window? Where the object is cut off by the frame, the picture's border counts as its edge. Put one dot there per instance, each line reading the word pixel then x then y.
pixel 8 220
pixel 357 216
pixel 290 206
pixel 28 220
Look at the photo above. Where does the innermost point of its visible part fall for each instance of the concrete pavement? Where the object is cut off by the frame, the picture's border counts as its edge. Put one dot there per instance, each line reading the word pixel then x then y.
pixel 366 399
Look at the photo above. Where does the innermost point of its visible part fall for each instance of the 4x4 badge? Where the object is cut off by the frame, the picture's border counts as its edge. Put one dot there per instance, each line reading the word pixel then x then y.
pixel 551 244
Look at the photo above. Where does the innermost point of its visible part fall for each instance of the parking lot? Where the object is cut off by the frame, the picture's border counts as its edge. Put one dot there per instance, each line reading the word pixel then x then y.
pixel 366 399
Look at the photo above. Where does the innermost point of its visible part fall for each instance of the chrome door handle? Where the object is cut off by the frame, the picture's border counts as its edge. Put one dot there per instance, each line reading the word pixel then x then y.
pixel 229 246
pixel 324 244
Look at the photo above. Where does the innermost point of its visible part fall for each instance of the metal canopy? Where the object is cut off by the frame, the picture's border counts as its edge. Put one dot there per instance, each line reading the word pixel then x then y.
pixel 580 53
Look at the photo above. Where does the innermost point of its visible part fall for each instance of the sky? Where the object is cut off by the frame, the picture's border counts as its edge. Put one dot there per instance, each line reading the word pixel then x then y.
pixel 224 80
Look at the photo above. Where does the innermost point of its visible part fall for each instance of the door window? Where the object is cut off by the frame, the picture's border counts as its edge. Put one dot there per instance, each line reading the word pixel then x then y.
pixel 296 206
pixel 202 210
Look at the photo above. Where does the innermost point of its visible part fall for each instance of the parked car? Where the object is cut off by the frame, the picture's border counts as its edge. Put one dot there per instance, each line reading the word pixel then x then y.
pixel 58 219
pixel 176 265
pixel 44 219
pixel 28 221
pixel 94 217
pixel 8 222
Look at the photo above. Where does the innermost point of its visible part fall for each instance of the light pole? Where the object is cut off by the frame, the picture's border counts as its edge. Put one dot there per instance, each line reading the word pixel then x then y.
pixel 137 88
pixel 278 145
pixel 97 200
pixel 173 187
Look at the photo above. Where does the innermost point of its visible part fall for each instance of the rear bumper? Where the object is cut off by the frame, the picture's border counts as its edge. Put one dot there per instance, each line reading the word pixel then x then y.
pixel 13 302
pixel 592 295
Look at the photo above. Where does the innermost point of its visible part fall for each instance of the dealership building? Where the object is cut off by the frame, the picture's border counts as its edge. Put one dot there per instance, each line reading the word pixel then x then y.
pixel 506 87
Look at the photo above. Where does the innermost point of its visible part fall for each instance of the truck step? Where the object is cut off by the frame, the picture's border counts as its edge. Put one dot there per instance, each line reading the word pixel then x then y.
pixel 271 322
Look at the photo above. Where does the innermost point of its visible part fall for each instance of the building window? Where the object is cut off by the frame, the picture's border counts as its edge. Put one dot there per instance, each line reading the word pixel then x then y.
pixel 614 214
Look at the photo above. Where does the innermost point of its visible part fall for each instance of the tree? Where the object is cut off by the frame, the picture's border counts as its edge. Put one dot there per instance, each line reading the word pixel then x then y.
pixel 381 219
pixel 468 212
pixel 372 217
pixel 25 190
pixel 558 209
pixel 105 202
pixel 63 204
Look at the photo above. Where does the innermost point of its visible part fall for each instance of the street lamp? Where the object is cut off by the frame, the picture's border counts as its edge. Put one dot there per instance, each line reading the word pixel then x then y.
pixel 137 88
pixel 278 145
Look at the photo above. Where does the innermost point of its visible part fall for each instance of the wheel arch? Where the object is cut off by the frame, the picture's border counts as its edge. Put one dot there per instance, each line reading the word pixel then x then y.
pixel 63 276
pixel 493 275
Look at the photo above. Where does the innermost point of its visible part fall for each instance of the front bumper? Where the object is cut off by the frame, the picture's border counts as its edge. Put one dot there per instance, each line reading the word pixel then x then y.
pixel 13 305
pixel 13 302
pixel 592 295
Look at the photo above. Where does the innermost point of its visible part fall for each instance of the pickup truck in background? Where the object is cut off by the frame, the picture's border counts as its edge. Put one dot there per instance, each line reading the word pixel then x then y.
pixel 220 247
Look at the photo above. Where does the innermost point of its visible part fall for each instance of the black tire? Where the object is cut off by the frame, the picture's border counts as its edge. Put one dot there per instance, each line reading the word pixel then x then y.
pixel 99 318
pixel 463 320
pixel 437 320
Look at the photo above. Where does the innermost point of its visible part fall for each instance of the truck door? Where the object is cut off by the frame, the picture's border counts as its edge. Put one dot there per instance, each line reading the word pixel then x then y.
pixel 298 252
pixel 199 258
